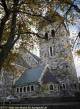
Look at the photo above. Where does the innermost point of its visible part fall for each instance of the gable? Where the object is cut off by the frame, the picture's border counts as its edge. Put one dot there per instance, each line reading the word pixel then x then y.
pixel 48 77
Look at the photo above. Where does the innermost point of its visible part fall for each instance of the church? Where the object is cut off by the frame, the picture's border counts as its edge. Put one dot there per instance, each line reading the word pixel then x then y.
pixel 53 73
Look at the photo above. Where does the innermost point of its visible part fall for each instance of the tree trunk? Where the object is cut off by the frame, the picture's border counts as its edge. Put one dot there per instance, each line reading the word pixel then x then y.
pixel 2 24
pixel 11 40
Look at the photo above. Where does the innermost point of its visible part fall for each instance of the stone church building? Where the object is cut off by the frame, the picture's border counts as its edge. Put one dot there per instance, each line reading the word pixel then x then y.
pixel 53 73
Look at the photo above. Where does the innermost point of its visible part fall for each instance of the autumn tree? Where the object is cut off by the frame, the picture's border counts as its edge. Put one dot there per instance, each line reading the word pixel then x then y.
pixel 19 17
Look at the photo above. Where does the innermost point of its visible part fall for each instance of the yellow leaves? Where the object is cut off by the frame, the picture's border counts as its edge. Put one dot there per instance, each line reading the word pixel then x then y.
pixel 52 17
pixel 57 17
pixel 10 59
pixel 55 1
pixel 61 1
pixel 66 1
pixel 30 1
pixel 6 32
pixel 42 24
pixel 66 46
pixel 78 52
pixel 68 58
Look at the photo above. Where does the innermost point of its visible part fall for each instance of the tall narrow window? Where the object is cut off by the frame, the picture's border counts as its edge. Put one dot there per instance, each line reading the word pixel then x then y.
pixel 53 33
pixel 21 89
pixel 28 88
pixel 32 88
pixel 60 87
pixel 51 87
pixel 51 51
pixel 63 86
pixel 24 89
pixel 46 36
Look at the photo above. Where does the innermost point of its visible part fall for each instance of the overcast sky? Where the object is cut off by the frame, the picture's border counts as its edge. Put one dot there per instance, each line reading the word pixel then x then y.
pixel 73 33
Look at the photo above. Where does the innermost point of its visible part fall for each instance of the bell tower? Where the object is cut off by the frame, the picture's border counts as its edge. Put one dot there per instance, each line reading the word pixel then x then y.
pixel 55 49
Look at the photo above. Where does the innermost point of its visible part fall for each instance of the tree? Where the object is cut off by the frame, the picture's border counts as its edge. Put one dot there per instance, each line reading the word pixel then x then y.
pixel 19 17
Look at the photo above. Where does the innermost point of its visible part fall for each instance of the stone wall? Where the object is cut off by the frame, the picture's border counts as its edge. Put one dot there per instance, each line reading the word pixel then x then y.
pixel 6 84
pixel 62 57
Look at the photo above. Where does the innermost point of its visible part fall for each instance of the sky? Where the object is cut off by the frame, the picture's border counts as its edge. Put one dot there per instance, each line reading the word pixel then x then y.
pixel 77 65
pixel 74 30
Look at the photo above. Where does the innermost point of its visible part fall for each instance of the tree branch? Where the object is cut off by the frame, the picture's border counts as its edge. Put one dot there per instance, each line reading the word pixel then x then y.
pixel 10 42
pixel 2 24
pixel 36 34
pixel 4 6
pixel 36 15
pixel 4 19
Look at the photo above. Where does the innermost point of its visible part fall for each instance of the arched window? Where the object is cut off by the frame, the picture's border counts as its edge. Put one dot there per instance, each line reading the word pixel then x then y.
pixel 51 87
pixel 51 51
pixel 28 88
pixel 32 88
pixel 63 86
pixel 24 89
pixel 46 36
pixel 53 33
pixel 60 87
pixel 20 89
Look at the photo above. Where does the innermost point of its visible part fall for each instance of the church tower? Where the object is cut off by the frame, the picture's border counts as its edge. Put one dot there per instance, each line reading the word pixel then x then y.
pixel 55 49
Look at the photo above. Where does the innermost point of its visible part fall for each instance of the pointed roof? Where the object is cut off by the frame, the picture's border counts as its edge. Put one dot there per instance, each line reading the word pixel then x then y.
pixel 49 77
pixel 30 76
pixel 20 61
pixel 40 74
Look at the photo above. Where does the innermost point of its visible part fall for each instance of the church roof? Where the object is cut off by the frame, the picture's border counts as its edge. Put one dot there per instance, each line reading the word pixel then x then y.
pixel 49 77
pixel 20 61
pixel 35 75
pixel 30 76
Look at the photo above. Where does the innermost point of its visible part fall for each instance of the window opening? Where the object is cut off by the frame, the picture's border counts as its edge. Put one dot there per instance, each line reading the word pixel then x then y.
pixel 46 36
pixel 32 88
pixel 24 89
pixel 51 51
pixel 28 88
pixel 51 87
pixel 53 33
pixel 20 89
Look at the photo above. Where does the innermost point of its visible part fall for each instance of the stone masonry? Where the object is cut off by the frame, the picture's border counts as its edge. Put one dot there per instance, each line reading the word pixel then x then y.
pixel 60 48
